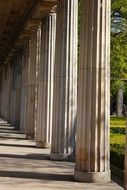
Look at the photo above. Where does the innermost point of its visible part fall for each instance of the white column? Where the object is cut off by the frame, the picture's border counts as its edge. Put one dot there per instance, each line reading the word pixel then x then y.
pixel 92 145
pixel 45 81
pixel 65 81
pixel 31 87
pixel 17 72
pixel 1 74
pixel 24 87
pixel 8 88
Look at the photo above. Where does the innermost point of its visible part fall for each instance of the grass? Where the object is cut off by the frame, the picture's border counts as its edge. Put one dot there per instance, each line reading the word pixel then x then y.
pixel 118 121
pixel 117 141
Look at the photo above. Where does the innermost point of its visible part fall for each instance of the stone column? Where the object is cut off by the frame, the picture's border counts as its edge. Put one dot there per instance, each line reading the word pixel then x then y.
pixel 15 87
pixel 9 92
pixel 45 81
pixel 65 81
pixel 12 95
pixel 1 74
pixel 92 145
pixel 31 87
pixel 5 92
pixel 24 87
pixel 2 95
pixel 6 97
pixel 18 71
pixel 1 102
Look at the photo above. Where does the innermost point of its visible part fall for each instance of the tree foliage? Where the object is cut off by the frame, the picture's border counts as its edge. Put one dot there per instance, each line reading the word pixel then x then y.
pixel 119 16
pixel 118 44
pixel 119 56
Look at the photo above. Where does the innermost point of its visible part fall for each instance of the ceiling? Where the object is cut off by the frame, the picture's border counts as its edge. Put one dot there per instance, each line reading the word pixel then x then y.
pixel 17 16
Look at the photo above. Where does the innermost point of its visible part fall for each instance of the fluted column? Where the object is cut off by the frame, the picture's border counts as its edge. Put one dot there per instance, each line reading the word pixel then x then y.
pixel 5 92
pixel 65 81
pixel 45 81
pixel 3 78
pixel 31 87
pixel 18 71
pixel 24 87
pixel 92 145
pixel 13 95
pixel 1 74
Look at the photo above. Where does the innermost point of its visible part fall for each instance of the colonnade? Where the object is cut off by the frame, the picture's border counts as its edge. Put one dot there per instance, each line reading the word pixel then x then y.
pixel 39 88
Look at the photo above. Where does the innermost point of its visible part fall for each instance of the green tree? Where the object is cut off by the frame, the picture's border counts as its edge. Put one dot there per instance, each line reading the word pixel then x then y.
pixel 118 44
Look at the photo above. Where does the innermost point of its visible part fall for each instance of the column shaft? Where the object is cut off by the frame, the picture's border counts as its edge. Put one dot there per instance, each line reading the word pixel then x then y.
pixel 15 84
pixel 1 74
pixel 5 92
pixel 31 87
pixel 45 82
pixel 92 145
pixel 65 81
pixel 24 87
pixel 18 71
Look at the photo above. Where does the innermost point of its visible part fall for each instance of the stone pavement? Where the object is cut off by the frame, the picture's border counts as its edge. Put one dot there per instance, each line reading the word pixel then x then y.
pixel 24 167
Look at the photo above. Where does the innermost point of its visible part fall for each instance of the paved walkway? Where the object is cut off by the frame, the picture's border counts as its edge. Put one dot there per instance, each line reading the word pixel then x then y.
pixel 24 167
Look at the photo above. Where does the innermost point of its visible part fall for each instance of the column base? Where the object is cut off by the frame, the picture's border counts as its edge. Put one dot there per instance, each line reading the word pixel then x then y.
pixel 93 177
pixel 30 136
pixel 22 131
pixel 62 157
pixel 41 144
